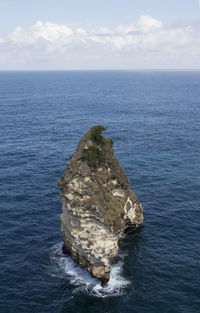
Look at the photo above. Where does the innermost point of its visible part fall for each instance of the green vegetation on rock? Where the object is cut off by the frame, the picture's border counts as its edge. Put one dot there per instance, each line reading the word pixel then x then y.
pixel 98 153
pixel 113 207
pixel 96 134
pixel 111 143
pixel 93 156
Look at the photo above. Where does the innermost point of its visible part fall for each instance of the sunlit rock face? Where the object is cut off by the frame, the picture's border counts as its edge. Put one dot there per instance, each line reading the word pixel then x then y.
pixel 98 205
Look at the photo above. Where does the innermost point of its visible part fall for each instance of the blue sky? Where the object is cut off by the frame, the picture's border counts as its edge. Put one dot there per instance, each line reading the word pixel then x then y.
pixel 106 33
pixel 93 13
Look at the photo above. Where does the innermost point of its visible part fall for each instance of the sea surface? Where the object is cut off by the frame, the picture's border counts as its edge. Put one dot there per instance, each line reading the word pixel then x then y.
pixel 154 120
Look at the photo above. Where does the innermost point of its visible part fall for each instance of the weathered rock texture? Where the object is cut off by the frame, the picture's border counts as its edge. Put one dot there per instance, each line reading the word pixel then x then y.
pixel 97 204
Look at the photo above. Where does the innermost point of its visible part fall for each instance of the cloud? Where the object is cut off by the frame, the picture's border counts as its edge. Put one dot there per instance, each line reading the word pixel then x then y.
pixel 144 44
pixel 48 31
pixel 146 23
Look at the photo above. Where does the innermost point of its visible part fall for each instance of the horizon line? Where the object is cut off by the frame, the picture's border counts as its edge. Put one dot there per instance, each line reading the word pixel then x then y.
pixel 102 70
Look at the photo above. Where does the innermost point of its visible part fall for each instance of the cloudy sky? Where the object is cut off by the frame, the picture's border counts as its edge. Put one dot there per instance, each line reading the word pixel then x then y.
pixel 99 34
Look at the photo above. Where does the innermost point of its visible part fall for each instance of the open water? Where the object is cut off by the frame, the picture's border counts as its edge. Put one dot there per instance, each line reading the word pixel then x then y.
pixel 154 120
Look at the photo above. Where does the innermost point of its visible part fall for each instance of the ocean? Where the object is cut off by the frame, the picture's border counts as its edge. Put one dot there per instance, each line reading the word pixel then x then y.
pixel 154 120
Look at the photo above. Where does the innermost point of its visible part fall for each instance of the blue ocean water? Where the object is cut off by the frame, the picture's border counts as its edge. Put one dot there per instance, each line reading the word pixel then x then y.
pixel 154 120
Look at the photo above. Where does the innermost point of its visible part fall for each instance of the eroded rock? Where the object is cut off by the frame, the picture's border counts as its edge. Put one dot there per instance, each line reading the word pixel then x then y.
pixel 98 205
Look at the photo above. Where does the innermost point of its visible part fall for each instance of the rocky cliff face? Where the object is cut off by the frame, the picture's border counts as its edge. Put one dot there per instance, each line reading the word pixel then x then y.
pixel 97 204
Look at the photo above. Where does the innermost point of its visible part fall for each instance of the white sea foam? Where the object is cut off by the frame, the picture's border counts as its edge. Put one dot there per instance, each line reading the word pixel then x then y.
pixel 82 281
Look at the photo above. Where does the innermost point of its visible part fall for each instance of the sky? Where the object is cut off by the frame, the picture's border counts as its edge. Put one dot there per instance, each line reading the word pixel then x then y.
pixel 99 34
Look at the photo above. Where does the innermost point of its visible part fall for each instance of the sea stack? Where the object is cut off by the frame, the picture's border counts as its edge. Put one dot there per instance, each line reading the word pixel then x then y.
pixel 98 205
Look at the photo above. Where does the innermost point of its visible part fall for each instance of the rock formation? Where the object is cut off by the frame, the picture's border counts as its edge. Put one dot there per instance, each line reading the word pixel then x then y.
pixel 98 205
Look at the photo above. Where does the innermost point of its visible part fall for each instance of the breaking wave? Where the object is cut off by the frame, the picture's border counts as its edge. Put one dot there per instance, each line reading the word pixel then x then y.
pixel 64 267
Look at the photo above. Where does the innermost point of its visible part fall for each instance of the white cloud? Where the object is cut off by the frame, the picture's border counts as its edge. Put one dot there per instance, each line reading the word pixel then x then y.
pixel 147 24
pixel 145 44
pixel 48 31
